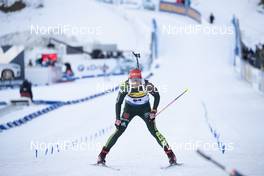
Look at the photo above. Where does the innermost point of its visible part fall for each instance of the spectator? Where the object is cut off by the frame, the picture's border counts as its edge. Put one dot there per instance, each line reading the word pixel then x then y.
pixel 256 58
pixel 257 54
pixel 109 54
pixel 180 1
pixel 211 18
pixel 39 61
pixel 120 54
pixel 97 53
pixel 244 52
pixel 30 64
pixel 251 52
pixel 68 71
pixel 25 90
pixel 261 58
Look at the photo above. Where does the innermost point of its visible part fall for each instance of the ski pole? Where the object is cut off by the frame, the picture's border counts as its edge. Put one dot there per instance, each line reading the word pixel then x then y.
pixel 231 173
pixel 165 107
pixel 137 55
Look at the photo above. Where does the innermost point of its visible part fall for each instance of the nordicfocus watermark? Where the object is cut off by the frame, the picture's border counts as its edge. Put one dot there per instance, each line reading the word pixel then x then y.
pixel 192 29
pixel 65 30
pixel 106 86
pixel 102 86
pixel 206 146
pixel 66 145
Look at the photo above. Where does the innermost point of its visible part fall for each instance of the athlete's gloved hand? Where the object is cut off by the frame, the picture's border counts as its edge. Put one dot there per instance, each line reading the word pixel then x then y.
pixel 117 123
pixel 152 114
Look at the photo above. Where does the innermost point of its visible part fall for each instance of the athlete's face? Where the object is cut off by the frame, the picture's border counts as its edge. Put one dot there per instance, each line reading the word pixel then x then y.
pixel 135 82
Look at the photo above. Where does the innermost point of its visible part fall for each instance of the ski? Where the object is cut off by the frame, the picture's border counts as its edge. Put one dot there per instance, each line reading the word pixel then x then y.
pixel 172 165
pixel 105 166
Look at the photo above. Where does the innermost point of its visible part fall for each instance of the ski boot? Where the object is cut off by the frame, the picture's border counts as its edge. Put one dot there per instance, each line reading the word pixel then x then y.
pixel 171 156
pixel 102 155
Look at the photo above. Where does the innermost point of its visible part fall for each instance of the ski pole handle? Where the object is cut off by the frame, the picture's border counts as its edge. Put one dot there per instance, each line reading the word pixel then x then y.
pixel 165 107
pixel 137 55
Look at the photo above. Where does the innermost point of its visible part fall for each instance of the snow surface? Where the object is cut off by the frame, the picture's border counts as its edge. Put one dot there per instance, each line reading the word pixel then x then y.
pixel 102 24
pixel 201 63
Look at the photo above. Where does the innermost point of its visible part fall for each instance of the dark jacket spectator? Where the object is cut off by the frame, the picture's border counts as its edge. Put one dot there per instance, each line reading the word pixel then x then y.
pixel 68 71
pixel 211 18
pixel 25 89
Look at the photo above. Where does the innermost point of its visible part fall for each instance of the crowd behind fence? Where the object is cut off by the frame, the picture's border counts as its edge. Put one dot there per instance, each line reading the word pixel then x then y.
pixel 249 62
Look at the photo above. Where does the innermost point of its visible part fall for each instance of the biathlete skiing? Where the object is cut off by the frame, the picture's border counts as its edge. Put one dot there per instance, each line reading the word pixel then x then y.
pixel 134 92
